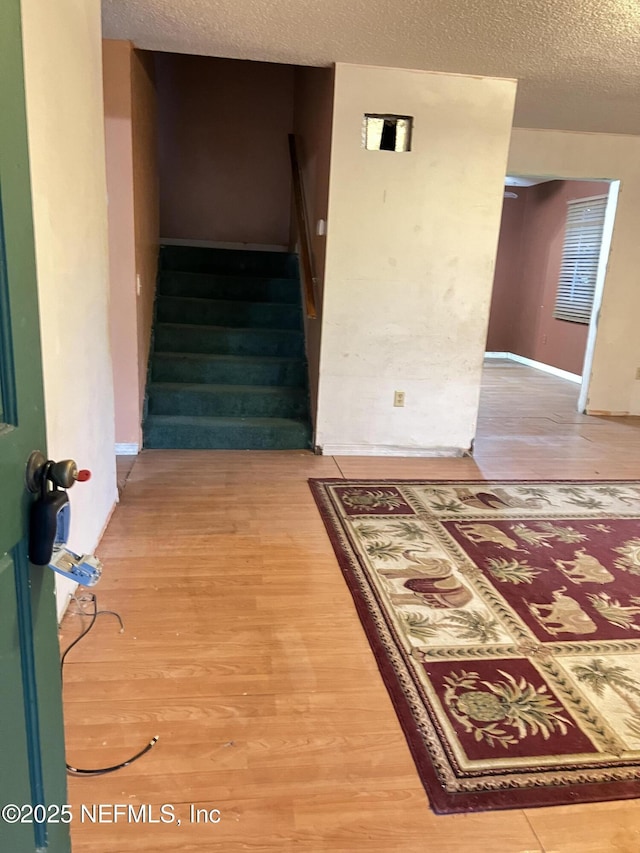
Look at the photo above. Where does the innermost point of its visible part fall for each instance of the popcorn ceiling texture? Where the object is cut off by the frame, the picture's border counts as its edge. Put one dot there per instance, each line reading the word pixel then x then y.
pixel 577 63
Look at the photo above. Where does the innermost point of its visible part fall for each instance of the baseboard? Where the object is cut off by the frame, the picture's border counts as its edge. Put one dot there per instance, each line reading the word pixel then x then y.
pixel 538 365
pixel 603 413
pixel 221 244
pixel 389 450
pixel 127 449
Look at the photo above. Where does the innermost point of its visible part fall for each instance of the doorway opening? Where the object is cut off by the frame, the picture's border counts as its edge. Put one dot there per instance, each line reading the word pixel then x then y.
pixel 550 274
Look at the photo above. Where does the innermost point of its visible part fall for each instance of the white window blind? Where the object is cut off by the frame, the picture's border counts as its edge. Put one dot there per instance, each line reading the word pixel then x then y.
pixel 580 255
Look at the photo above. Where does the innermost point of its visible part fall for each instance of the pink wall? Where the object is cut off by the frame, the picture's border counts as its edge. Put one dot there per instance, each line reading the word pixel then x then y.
pixel 527 270
pixel 146 201
pixel 506 273
pixel 313 118
pixel 132 186
pixel 116 62
pixel 224 167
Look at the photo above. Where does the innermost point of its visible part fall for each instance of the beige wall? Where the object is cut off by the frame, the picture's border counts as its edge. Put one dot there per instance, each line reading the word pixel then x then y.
pixel 313 113
pixel 146 202
pixel 116 60
pixel 613 387
pixel 410 255
pixel 224 167
pixel 63 78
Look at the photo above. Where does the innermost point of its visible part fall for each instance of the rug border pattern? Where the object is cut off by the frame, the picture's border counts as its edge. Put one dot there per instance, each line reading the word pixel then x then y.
pixel 448 793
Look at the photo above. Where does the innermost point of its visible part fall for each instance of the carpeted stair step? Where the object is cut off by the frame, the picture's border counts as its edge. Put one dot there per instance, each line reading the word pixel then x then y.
pixel 176 337
pixel 228 366
pixel 239 288
pixel 217 312
pixel 228 261
pixel 231 401
pixel 184 431
pixel 228 369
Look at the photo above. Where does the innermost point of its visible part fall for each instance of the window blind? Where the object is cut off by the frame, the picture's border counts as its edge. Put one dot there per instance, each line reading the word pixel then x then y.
pixel 580 256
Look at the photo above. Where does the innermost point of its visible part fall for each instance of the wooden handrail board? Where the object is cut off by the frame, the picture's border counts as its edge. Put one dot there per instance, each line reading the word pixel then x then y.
pixel 302 223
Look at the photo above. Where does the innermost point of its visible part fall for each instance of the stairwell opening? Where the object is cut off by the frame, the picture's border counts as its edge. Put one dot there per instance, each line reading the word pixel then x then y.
pixel 234 361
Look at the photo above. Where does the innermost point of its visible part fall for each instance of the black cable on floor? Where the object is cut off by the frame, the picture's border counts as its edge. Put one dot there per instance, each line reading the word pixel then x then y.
pixel 100 771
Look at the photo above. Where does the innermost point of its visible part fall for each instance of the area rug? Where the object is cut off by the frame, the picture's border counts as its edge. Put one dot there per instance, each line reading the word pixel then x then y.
pixel 505 620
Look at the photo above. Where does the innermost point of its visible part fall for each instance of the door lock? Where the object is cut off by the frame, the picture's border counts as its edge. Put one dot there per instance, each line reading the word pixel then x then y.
pixel 50 518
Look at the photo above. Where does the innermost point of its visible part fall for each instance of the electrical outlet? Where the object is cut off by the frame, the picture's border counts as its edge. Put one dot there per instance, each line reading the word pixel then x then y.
pixel 398 398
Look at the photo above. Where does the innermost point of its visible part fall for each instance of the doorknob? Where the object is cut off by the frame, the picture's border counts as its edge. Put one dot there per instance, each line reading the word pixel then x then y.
pixel 62 474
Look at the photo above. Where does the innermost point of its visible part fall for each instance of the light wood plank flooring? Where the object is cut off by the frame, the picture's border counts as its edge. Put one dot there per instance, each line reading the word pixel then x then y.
pixel 243 651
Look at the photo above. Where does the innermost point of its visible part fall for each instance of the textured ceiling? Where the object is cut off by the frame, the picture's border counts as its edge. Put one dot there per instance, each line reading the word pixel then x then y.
pixel 577 61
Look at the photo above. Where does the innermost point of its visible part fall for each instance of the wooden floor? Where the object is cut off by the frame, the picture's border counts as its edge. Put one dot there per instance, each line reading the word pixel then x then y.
pixel 242 650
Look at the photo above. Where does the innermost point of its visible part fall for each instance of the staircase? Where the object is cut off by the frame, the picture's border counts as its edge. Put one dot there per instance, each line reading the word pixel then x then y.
pixel 228 369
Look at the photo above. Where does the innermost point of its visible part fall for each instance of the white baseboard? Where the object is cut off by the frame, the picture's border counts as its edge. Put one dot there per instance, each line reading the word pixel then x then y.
pixel 538 365
pixel 127 449
pixel 389 450
pixel 221 244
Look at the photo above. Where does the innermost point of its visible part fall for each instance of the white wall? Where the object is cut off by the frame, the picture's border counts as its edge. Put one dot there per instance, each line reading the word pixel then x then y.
pixel 409 264
pixel 63 80
pixel 613 388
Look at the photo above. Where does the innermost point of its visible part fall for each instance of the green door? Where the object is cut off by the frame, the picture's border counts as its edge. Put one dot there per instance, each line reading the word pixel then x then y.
pixel 32 763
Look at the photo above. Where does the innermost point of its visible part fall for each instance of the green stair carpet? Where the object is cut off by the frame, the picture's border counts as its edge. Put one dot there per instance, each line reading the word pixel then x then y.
pixel 228 369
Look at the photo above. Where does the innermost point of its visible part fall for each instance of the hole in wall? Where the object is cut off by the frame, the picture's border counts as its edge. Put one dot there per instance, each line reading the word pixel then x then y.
pixel 385 132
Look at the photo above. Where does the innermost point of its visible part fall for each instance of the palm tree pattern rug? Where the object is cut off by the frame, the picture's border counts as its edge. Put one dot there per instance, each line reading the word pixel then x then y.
pixel 505 620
